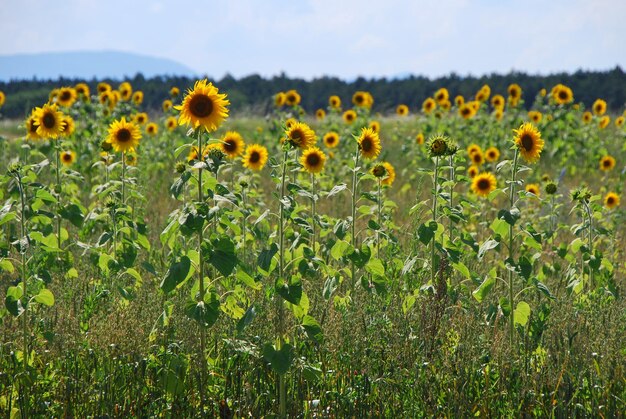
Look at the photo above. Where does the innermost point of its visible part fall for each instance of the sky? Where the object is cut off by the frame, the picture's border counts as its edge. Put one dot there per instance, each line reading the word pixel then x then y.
pixel 312 38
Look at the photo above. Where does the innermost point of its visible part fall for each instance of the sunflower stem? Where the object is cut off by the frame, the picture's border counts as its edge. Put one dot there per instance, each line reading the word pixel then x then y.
pixel 380 217
pixel 452 176
pixel 203 369
pixel 313 209
pixel 590 239
pixel 511 203
pixel 123 178
pixel 280 307
pixel 23 249
pixel 435 195
pixel 353 224
pixel 58 189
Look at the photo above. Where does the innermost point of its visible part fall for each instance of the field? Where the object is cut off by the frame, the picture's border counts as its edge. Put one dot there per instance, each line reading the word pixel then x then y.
pixel 460 257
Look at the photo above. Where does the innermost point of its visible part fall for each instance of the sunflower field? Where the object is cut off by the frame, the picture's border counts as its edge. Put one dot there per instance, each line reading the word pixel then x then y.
pixel 461 256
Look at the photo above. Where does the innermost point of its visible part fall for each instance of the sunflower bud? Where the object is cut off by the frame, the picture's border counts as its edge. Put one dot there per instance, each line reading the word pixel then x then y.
pixel 180 166
pixel 106 146
pixel 379 171
pixel 15 168
pixel 438 146
pixel 550 188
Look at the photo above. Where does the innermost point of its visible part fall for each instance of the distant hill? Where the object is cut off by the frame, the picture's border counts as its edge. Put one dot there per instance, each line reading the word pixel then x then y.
pixel 87 65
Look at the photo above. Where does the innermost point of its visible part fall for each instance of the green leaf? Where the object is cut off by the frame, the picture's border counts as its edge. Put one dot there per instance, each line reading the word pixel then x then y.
pixel 525 267
pixel 247 279
pixel 312 328
pixel 176 274
pixel 291 292
pixel 425 233
pixel 280 360
pixel 204 312
pixel 74 214
pixel 339 249
pixel 12 301
pixel 177 188
pixel 483 289
pixel 44 195
pixel 375 267
pixel 511 216
pixel 486 246
pixel 265 257
pixel 460 266
pixel 45 297
pixel 6 265
pixel 222 255
pixel 360 256
pixel 505 306
pixel 500 227
pixel 521 313
pixel 247 318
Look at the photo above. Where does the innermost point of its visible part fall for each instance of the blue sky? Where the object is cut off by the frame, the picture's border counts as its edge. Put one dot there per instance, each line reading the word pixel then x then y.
pixel 330 37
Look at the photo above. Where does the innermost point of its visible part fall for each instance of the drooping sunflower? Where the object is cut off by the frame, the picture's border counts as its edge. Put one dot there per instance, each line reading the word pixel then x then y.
pixel 419 138
pixel 391 174
pixel 138 97
pixel 66 96
pixel 533 188
pixel 604 121
pixel 528 141
pixel 152 129
pixel 67 157
pixel 167 105
pixel 126 90
pixel 31 127
pixel 124 136
pixel 429 105
pixel 320 114
pixel 472 171
pixel 607 163
pixel 312 160
pixel 619 121
pixel 170 123
pixel 562 94
pixel 292 98
pixel 82 90
pixel 255 157
pixel 483 184
pixel 441 95
pixel 331 139
pixel 349 116
pixel 459 100
pixel 103 87
pixel 497 101
pixel 599 107
pixel 141 118
pixel 535 116
pixel 334 101
pixel 611 200
pixel 106 158
pixel 369 143
pixel 438 145
pixel 587 117
pixel 49 121
pixel 492 154
pixel 232 144
pixel 279 99
pixel 174 91
pixel 402 110
pixel 375 125
pixel 203 106
pixel 300 135
pixel 68 126
pixel 515 91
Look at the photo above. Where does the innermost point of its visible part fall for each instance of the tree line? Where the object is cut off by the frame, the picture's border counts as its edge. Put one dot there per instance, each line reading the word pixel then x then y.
pixel 253 94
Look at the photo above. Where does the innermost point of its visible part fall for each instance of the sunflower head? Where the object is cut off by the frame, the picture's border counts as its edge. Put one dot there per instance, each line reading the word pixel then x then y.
pixel 587 117
pixel 562 94
pixel 67 157
pixel 599 107
pixel 483 184
pixel 528 141
pixel 550 188
pixel 472 171
pixel 467 110
pixel 375 125
pixel 473 148
pixel 477 158
pixel 232 144
pixel 167 105
pixel 543 92
pixel 391 174
pixel 82 90
pixel 170 123
pixel 362 99
pixel 515 91
pixel 126 90
pixel 497 101
pixel 604 121
pixel 535 116
pixel 429 105
pixel 292 98
pixel 279 99
pixel 312 160
pixel 419 138
pixel 607 163
pixel 533 188
pixel 68 126
pixel 138 97
pixel 369 143
pixel 299 135
pixel 31 127
pixel 2 98
pixel 611 200
pixel 141 118
pixel 492 154
pixel 203 106
pixel 130 159
pixel 106 158
pixel 438 145
pixel 331 139
pixel 349 116
pixel 320 114
pixel 498 114
pixel 459 100
pixel 379 170
pixel 619 121
pixel 49 121
pixel 402 110
pixel 103 87
pixel 255 157
pixel 334 102
pixel 66 96
pixel 152 129
pixel 124 136
pixel 441 95
pixel 174 91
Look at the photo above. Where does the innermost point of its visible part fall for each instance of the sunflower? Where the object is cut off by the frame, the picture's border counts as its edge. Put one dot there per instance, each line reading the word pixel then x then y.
pixel 289 122
pixel 535 116
pixel 255 157
pixel 497 101
pixel 477 158
pixel 438 145
pixel 445 105
pixel 611 200
pixel 170 123
pixel 599 107
pixel 152 129
pixel 587 117
pixel 67 157
pixel 459 100
pixel 334 101
pixel 31 127
pixel 124 136
pixel 232 144
pixel 362 99
pixel 484 93
pixel 492 154
pixel 106 158
pixel 562 94
pixel 429 105
pixel 472 171
pixel 331 139
pixel 292 98
pixel 369 143
pixel 528 141
pixel 126 90
pixel 68 126
pixel 174 91
pixel 483 184
pixel 167 105
pixel 49 121
pixel 280 99
pixel 441 95
pixel 209 148
pixel 349 116
pixel 604 121
pixel 320 114
pixel 130 159
pixel 375 125
pixel 141 118
pixel 66 96
pixel 473 148
pixel 137 97
pixel 391 174
pixel 402 110
pixel 419 138
pixel 203 106
pixel 498 114
pixel 193 154
pixel 2 98
pixel 607 163
pixel 103 87
pixel 312 160
pixel 543 92
pixel 300 135
pixel 82 90
pixel 619 121
pixel 467 110
pixel 533 188
pixel 108 99
pixel 515 92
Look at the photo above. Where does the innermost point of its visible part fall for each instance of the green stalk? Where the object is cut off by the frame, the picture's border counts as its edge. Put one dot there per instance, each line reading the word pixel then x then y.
pixel 354 187
pixel 123 178
pixel 203 369
pixel 590 239
pixel 380 218
pixel 435 195
pixel 243 202
pixel 511 202
pixel 24 284
pixel 282 389
pixel 313 210
pixel 452 178
pixel 58 189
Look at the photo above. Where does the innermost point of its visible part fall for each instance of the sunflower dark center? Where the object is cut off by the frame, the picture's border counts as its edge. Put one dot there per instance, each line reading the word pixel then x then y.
pixel 330 139
pixel 610 200
pixel 476 157
pixel 297 137
pixel 606 163
pixel 49 121
pixel 562 94
pixel 67 157
pixel 527 142
pixel 313 159
pixel 255 156
pixel 201 106
pixel 367 144
pixel 33 126
pixel 350 117
pixel 123 135
pixel 359 99
pixel 483 184
pixel 230 145
pixel 66 95
pixel 492 155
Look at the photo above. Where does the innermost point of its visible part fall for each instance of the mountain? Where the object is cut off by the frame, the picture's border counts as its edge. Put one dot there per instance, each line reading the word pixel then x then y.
pixel 87 65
